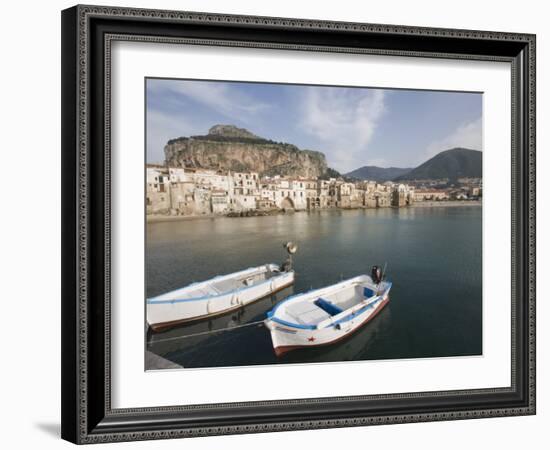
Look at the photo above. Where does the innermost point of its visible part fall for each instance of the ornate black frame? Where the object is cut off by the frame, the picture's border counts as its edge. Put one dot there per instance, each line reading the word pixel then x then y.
pixel 87 32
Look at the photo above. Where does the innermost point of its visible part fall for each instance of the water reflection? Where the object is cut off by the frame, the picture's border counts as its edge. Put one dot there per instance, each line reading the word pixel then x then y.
pixel 353 348
pixel 189 336
pixel 433 256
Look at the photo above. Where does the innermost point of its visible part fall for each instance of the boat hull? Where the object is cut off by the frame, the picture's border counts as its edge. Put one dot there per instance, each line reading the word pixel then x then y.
pixel 286 339
pixel 165 315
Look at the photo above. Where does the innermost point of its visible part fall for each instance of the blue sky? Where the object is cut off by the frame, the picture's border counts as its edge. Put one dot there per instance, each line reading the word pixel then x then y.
pixel 353 127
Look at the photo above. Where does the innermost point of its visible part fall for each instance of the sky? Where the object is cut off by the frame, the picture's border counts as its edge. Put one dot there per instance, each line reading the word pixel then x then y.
pixel 352 126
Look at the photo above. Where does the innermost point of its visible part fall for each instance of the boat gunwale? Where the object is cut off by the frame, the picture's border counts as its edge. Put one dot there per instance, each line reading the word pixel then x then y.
pixel 162 326
pixel 153 301
pixel 358 311
pixel 281 350
pixel 311 291
pixel 345 316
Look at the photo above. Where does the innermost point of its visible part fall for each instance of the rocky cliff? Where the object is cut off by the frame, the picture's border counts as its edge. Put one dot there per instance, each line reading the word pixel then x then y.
pixel 227 147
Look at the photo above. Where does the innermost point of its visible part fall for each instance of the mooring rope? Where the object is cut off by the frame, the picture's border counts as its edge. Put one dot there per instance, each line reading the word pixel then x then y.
pixel 202 333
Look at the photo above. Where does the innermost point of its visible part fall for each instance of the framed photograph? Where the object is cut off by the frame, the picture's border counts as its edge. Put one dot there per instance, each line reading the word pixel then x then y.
pixel 280 224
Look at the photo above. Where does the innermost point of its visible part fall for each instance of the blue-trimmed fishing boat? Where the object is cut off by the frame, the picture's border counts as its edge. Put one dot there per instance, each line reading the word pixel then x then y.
pixel 327 315
pixel 221 294
pixel 216 296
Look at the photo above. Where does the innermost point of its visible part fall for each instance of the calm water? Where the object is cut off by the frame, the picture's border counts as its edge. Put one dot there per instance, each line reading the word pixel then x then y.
pixel 433 257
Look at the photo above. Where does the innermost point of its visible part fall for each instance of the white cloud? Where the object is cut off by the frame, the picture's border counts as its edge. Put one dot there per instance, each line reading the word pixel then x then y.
pixel 162 127
pixel 221 97
pixel 343 122
pixel 467 135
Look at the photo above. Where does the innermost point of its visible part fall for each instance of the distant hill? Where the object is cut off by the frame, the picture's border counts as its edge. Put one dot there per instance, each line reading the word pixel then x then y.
pixel 333 173
pixel 379 174
pixel 452 164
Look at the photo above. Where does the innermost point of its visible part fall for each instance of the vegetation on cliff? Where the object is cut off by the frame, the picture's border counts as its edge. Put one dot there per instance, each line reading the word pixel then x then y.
pixel 379 174
pixel 227 147
pixel 452 164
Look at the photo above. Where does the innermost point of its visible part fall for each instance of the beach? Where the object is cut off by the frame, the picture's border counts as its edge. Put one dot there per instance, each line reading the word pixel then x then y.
pixel 154 218
pixel 447 203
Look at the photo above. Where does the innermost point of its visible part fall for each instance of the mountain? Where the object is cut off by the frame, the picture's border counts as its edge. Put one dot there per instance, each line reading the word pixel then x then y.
pixel 231 131
pixel 452 164
pixel 375 173
pixel 227 147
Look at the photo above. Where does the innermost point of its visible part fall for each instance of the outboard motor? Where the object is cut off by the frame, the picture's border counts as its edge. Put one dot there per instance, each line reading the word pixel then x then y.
pixel 287 265
pixel 376 274
pixel 291 248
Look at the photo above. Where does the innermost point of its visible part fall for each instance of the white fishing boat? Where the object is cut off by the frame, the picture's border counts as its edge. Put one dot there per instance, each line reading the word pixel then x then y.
pixel 219 295
pixel 327 315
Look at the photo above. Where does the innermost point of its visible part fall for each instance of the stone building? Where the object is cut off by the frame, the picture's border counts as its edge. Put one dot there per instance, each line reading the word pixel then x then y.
pixel 202 200
pixel 157 179
pixel 298 189
pixel 180 175
pixel 383 199
pixel 475 191
pixel 344 192
pixel 402 195
pixel 422 195
pixel 220 201
pixel 157 190
pixel 182 198
pixel 183 191
pixel 158 203
pixel 357 199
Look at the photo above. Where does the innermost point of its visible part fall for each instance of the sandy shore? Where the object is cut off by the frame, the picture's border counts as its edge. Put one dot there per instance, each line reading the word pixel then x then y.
pixel 431 204
pixel 152 218
pixel 447 203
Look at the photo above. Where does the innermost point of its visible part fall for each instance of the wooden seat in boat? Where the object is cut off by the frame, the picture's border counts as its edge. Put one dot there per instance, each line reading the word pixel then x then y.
pixel 307 313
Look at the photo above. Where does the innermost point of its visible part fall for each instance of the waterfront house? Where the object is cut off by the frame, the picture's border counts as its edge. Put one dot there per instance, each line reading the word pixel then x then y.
pixel 194 191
